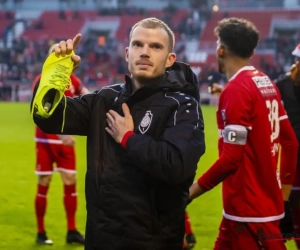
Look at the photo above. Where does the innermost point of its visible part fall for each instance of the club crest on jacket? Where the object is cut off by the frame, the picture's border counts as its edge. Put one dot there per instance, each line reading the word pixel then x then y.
pixel 146 122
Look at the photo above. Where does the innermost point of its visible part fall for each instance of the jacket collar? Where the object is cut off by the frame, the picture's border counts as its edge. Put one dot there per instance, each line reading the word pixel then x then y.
pixel 179 77
pixel 154 83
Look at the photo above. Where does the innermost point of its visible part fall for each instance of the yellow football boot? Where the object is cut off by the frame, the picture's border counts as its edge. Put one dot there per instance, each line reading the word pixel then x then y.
pixel 55 80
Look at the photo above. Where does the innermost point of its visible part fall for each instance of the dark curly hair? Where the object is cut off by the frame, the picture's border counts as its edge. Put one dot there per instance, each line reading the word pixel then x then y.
pixel 239 35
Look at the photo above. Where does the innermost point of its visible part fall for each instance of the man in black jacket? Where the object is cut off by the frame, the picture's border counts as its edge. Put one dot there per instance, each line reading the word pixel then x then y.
pixel 289 87
pixel 144 140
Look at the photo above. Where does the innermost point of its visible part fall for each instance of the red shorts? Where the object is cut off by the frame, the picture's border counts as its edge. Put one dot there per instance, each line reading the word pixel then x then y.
pixel 296 185
pixel 47 154
pixel 234 235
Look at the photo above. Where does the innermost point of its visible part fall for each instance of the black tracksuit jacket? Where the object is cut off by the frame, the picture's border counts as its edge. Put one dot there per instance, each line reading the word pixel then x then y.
pixel 290 96
pixel 136 197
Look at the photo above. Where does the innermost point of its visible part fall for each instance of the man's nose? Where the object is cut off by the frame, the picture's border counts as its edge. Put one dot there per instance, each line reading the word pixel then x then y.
pixel 145 51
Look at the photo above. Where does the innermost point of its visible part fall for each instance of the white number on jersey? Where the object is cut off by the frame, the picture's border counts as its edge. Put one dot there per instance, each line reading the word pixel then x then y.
pixel 273 118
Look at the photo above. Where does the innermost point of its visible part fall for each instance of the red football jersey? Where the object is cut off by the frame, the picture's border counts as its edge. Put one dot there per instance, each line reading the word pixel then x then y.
pixel 75 89
pixel 249 117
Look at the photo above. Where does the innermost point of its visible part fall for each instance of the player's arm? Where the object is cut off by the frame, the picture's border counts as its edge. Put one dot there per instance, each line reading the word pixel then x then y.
pixel 70 117
pixel 234 139
pixel 174 157
pixel 289 154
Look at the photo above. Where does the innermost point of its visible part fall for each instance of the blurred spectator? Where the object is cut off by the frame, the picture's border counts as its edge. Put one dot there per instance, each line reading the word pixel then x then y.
pixel 103 55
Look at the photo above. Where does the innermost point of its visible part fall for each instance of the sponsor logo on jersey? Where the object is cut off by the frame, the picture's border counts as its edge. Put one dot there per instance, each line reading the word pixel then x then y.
pixel 262 81
pixel 146 122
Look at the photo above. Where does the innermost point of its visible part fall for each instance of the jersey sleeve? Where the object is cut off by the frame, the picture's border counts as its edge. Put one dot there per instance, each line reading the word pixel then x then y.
pixel 289 147
pixel 289 153
pixel 235 106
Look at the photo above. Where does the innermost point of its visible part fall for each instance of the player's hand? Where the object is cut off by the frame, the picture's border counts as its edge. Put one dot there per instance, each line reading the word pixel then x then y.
pixel 195 191
pixel 215 89
pixel 295 73
pixel 67 140
pixel 64 48
pixel 286 225
pixel 190 241
pixel 118 125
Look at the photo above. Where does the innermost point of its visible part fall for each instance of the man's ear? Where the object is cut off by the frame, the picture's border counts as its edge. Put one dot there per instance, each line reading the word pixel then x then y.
pixel 221 51
pixel 126 53
pixel 171 59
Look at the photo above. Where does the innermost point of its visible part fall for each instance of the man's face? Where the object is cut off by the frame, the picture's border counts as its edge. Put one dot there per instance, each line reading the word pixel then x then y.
pixel 148 53
pixel 219 54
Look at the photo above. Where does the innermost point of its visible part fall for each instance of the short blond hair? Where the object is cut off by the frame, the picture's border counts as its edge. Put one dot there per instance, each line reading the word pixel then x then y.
pixel 154 23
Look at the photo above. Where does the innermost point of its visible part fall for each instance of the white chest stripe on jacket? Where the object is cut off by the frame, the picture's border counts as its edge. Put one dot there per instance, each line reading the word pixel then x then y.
pixel 197 112
pixel 110 89
pixel 178 106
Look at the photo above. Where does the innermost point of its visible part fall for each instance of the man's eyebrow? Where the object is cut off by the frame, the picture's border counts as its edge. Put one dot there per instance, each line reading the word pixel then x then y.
pixel 151 43
pixel 136 41
pixel 157 44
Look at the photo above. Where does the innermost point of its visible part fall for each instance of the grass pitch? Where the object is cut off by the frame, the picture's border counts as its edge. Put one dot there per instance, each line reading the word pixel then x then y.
pixel 18 187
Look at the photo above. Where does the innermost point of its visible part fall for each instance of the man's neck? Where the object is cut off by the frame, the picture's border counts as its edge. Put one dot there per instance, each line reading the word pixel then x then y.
pixel 146 82
pixel 135 85
pixel 234 65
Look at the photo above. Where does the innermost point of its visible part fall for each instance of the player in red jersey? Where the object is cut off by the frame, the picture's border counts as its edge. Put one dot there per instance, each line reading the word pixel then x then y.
pixel 58 149
pixel 252 124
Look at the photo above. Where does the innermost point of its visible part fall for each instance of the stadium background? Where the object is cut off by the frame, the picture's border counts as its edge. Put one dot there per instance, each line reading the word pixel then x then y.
pixel 29 27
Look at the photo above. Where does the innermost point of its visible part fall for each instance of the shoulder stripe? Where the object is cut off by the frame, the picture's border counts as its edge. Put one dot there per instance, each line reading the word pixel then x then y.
pixel 178 106
pixel 110 89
